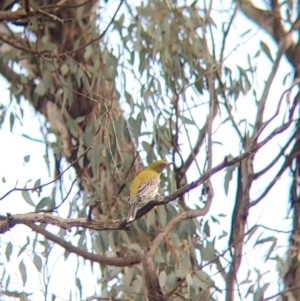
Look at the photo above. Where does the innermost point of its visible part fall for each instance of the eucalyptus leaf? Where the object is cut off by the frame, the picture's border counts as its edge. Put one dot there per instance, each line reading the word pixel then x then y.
pixel 22 269
pixel 27 197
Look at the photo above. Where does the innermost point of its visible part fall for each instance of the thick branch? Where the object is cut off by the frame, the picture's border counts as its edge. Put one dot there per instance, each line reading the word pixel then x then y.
pixel 10 221
pixel 154 291
pixel 269 20
pixel 112 261
pixel 262 18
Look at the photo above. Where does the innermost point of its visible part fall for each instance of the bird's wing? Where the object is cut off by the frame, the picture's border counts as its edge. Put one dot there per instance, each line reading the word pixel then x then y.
pixel 148 189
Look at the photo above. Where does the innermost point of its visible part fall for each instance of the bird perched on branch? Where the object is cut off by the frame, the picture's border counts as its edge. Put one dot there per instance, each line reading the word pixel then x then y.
pixel 144 187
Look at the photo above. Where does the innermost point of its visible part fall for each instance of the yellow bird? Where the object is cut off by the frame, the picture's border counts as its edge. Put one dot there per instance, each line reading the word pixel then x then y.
pixel 144 187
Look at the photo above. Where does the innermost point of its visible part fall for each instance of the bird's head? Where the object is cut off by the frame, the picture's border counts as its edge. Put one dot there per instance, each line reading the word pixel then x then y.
pixel 159 165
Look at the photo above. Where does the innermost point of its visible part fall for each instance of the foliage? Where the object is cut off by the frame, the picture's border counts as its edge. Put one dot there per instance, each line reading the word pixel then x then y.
pixel 118 85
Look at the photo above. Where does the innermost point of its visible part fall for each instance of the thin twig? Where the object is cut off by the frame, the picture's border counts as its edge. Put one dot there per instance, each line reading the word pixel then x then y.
pixel 272 163
pixel 49 54
pixel 290 157
pixel 262 103
pixel 99 37
pixel 48 183
pixel 64 5
pixel 64 199
pixel 265 124
pixel 282 293
pixel 127 173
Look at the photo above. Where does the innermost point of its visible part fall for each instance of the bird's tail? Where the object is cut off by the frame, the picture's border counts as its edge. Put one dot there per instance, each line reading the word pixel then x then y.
pixel 133 208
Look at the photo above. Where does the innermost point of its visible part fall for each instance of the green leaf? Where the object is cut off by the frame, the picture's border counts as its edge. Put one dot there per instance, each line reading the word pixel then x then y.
pixel 265 48
pixel 158 257
pixel 271 249
pixel 11 121
pixel 206 229
pixel 247 279
pixel 22 269
pixel 115 272
pixel 27 198
pixel 26 158
pixel 228 177
pixel 189 279
pixel 66 255
pixel 264 240
pixel 38 262
pixel 187 120
pixel 129 98
pixel 205 280
pixel 40 89
pixel 31 138
pixel 135 247
pixel 8 251
pixel 88 52
pixel 175 239
pixel 129 276
pixel 7 282
pixel 64 69
pixel 73 127
pixel 45 202
pixel 224 234
pixel 37 184
pixel 33 24
pixel 246 32
pixel 78 76
pixel 150 219
pixel 208 251
pixel 171 280
pixel 80 119
pixel 259 294
pixel 197 284
pixel 215 220
pixel 79 286
pixel 79 153
pixel 162 278
pixel 162 215
pixel 174 278
pixel 146 146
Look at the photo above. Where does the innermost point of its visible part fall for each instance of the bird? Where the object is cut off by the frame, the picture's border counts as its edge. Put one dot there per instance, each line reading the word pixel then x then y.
pixel 144 187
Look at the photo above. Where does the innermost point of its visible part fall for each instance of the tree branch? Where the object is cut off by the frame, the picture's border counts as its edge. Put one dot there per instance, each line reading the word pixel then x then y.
pixel 48 183
pixel 151 281
pixel 9 221
pixel 112 261
pixel 262 103
pixel 177 219
pixel 270 21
